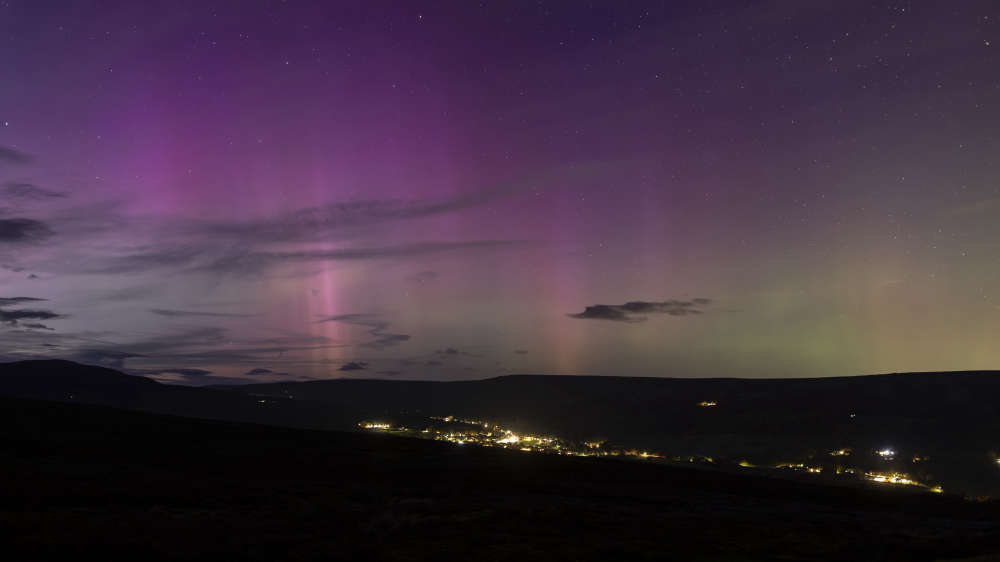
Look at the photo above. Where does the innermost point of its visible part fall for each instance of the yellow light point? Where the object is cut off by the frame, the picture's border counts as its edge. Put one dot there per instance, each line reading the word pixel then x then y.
pixel 841 452
pixel 937 489
pixel 886 453
pixel 815 469
pixel 708 403
pixel 747 464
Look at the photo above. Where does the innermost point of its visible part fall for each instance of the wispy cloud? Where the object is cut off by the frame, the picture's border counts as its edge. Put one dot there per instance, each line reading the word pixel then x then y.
pixel 30 191
pixel 11 301
pixel 177 371
pixel 377 328
pixel 250 262
pixel 10 155
pixel 423 277
pixel 193 313
pixel 146 259
pixel 316 223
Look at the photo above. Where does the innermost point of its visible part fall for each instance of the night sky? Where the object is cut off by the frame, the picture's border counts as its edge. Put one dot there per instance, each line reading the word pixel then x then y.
pixel 208 192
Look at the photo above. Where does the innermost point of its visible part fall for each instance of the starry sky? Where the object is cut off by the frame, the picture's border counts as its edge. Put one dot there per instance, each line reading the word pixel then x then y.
pixel 210 192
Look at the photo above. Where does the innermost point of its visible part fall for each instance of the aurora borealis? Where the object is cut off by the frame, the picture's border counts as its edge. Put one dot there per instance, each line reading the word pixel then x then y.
pixel 210 192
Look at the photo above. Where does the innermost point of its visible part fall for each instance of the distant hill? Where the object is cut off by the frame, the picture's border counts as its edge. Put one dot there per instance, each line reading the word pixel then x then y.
pixel 952 418
pixel 91 482
pixel 891 408
pixel 949 420
pixel 67 381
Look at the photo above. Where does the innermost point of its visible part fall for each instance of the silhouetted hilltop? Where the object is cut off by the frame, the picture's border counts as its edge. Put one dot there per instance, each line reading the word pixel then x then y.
pixel 67 381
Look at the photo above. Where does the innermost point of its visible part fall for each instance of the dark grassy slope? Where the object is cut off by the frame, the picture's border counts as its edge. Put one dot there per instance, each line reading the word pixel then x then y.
pixel 952 417
pixel 88 481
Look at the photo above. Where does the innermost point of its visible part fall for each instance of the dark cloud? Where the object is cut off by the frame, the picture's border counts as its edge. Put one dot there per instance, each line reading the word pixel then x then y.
pixel 448 351
pixel 35 326
pixel 191 313
pixel 631 312
pixel 605 312
pixel 10 155
pixel 377 328
pixel 30 191
pixel 521 351
pixel 423 277
pixel 353 366
pixel 259 371
pixel 16 316
pixel 23 230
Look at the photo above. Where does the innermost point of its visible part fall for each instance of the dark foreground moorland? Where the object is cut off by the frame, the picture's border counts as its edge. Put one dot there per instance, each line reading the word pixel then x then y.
pixel 91 482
